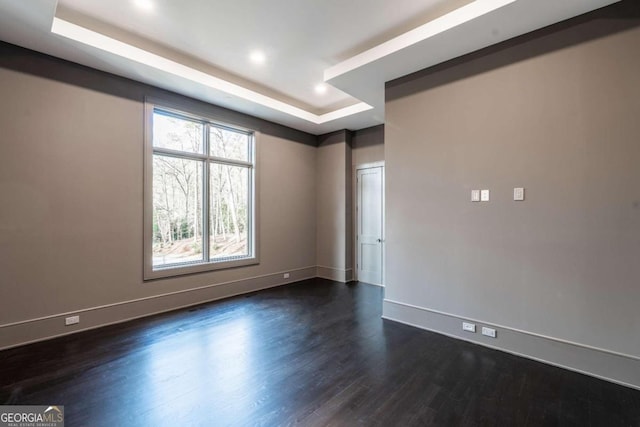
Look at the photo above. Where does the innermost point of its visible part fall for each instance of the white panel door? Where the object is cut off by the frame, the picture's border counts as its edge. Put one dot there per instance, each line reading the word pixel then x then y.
pixel 369 235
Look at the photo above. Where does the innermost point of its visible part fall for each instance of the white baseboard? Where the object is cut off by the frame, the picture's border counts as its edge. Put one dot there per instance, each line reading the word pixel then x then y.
pixel 335 274
pixel 47 327
pixel 615 367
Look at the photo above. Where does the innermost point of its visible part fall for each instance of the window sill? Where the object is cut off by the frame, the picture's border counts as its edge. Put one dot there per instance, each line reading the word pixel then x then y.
pixel 183 269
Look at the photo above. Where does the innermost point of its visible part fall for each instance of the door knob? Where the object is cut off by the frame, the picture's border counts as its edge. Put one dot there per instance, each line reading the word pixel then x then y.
pixel 379 240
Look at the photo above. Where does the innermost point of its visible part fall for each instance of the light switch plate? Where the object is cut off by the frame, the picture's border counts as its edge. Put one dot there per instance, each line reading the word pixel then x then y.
pixel 484 195
pixel 475 195
pixel 518 194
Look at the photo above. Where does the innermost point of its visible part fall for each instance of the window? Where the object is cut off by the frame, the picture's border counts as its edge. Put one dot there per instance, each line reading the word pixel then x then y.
pixel 199 194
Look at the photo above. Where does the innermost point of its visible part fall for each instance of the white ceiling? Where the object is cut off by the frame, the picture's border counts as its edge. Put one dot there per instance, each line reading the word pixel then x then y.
pixel 300 38
pixel 355 45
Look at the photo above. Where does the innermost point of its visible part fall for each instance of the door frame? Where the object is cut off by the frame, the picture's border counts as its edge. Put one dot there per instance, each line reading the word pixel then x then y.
pixel 356 220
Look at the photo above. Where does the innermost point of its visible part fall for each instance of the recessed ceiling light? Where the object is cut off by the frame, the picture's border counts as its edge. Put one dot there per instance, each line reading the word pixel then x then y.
pixel 321 88
pixel 258 57
pixel 146 5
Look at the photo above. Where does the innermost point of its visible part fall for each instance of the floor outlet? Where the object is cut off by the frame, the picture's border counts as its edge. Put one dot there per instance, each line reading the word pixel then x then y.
pixel 71 320
pixel 490 332
pixel 469 327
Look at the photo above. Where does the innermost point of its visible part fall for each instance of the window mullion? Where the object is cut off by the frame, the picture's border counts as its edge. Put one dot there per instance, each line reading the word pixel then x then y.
pixel 252 197
pixel 231 162
pixel 205 194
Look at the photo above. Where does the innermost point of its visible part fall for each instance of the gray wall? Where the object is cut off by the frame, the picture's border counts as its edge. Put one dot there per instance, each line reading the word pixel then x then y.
pixel 368 145
pixel 556 112
pixel 71 159
pixel 333 240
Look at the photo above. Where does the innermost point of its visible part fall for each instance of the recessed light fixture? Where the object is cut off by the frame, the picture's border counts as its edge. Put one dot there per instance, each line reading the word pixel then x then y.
pixel 146 5
pixel 321 88
pixel 258 57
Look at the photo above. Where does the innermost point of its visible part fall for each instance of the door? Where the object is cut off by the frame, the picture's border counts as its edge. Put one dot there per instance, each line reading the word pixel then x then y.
pixel 370 224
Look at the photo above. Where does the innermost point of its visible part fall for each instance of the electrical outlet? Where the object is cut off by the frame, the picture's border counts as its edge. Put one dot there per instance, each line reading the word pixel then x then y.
pixel 71 320
pixel 469 327
pixel 286 275
pixel 518 194
pixel 490 332
pixel 484 195
pixel 475 195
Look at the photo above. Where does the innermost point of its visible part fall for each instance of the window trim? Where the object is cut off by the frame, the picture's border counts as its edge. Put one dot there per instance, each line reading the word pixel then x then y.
pixel 189 112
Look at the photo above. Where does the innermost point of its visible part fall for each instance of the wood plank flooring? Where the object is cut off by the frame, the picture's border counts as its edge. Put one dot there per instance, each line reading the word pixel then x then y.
pixel 314 353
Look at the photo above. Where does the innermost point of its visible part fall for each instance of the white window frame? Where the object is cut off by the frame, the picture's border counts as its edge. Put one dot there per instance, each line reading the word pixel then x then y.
pixel 170 270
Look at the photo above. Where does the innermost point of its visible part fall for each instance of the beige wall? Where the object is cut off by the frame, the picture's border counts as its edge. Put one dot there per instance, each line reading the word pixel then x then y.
pixel 556 112
pixel 334 206
pixel 368 145
pixel 71 159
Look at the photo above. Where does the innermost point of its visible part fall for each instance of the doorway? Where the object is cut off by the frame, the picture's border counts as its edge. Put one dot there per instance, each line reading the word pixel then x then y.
pixel 370 223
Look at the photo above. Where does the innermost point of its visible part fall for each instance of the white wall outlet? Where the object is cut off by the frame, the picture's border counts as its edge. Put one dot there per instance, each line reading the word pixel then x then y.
pixel 286 275
pixel 475 195
pixel 484 195
pixel 518 194
pixel 469 327
pixel 71 320
pixel 490 332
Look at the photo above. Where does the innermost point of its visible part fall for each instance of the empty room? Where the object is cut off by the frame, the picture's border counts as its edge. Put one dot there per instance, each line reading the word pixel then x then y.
pixel 319 213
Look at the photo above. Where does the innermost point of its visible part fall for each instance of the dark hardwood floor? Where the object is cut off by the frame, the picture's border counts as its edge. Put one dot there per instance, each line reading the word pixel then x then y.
pixel 313 353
